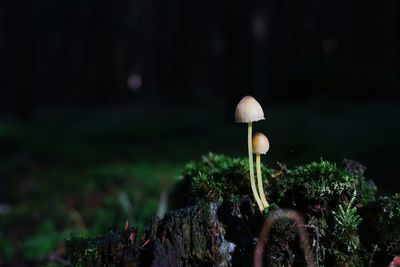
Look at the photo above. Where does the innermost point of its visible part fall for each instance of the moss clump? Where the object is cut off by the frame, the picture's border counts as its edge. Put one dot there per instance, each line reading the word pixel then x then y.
pixel 323 191
pixel 316 182
pixel 345 242
pixel 366 188
pixel 80 250
pixel 388 224
pixel 345 228
pixel 109 250
pixel 339 206
pixel 325 194
pixel 214 178
pixel 283 244
pixel 383 217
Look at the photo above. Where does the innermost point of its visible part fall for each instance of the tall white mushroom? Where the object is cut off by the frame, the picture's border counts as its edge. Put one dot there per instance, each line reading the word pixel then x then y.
pixel 247 111
pixel 260 146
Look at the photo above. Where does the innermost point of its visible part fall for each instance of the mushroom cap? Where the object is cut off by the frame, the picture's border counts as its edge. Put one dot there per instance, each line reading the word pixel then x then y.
pixel 260 143
pixel 248 110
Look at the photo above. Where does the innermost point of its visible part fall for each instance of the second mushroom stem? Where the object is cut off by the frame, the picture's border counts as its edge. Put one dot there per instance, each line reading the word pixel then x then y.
pixel 260 182
pixel 251 167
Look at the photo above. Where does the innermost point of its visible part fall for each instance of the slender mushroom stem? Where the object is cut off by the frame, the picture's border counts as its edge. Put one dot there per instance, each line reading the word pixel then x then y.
pixel 251 167
pixel 260 182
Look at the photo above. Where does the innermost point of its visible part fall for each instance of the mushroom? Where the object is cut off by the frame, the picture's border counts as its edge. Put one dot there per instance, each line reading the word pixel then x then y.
pixel 247 111
pixel 260 146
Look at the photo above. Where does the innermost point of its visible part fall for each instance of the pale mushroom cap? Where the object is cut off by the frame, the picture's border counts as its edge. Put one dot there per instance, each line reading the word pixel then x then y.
pixel 248 110
pixel 260 143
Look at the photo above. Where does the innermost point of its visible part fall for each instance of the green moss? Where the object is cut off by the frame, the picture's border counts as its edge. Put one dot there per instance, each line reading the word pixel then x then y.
pixel 322 191
pixel 42 241
pixel 387 222
pixel 366 188
pixel 344 245
pixel 79 249
pixel 330 197
pixel 112 249
pixel 345 226
pixel 282 241
pixel 317 182
pixel 5 248
pixel 218 177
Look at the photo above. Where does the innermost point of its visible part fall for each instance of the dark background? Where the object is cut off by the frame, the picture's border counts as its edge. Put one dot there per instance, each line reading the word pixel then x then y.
pixel 102 102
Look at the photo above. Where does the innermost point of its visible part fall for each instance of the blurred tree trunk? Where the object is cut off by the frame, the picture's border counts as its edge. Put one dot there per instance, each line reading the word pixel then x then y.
pixel 24 76
pixel 149 57
pixel 258 29
pixel 237 54
pixel 180 82
pixel 100 46
pixel 173 46
pixel 21 37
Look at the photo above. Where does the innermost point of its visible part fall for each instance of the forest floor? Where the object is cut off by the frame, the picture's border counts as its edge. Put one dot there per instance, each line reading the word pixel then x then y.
pixel 88 171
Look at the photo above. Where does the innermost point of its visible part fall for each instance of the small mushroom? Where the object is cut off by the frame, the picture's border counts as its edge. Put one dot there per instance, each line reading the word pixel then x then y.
pixel 247 111
pixel 260 146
